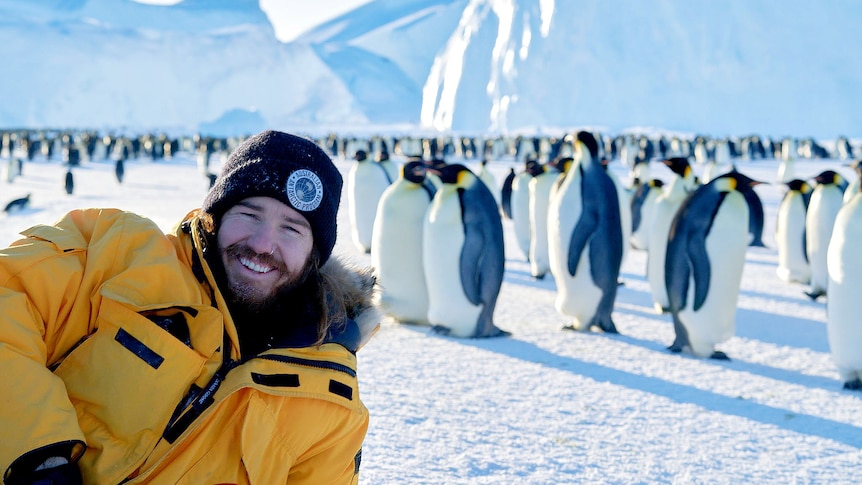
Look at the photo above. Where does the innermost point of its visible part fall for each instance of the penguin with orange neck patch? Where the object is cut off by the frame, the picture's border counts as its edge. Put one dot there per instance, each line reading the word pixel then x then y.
pixel 586 237
pixel 703 266
pixel 463 255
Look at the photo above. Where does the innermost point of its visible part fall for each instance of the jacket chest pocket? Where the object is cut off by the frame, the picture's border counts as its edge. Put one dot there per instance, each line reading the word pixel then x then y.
pixel 127 377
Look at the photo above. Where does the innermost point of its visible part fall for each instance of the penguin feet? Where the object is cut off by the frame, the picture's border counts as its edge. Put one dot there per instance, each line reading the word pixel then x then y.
pixel 539 277
pixel 494 332
pixel 815 294
pixel 719 355
pixel 661 310
pixel 605 324
pixel 854 385
pixel 674 348
pixel 441 330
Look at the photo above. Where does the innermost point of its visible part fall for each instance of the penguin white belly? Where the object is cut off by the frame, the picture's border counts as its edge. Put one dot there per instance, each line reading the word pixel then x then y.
pixel 577 296
pixel 540 191
pixel 396 252
pixel 365 186
pixel 726 244
pixel 442 241
pixel 640 238
pixel 520 204
pixel 822 209
pixel 844 263
pixel 625 206
pixel 790 238
pixel 665 210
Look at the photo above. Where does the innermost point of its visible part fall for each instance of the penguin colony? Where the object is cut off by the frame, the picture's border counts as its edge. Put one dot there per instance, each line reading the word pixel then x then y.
pixel 434 229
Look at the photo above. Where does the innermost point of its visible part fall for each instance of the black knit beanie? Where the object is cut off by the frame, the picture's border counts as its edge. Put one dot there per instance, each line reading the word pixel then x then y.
pixel 288 168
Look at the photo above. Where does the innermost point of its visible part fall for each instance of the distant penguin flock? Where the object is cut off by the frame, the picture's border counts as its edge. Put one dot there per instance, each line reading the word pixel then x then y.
pixel 430 215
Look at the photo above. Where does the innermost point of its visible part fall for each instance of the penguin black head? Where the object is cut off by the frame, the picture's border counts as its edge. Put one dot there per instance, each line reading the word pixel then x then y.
pixel 564 164
pixel 383 156
pixel 656 183
pixel 414 171
pixel 737 181
pixel 798 186
pixel 828 177
pixel 451 174
pixel 590 143
pixel 678 165
pixel 437 163
pixel 360 155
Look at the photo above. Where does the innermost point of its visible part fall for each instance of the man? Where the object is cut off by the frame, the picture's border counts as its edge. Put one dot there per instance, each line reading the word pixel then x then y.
pixel 223 352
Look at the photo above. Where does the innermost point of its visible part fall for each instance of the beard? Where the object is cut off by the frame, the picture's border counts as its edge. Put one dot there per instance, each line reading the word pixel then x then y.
pixel 250 297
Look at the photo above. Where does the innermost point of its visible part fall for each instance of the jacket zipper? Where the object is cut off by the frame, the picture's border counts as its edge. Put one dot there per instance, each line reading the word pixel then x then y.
pixel 319 364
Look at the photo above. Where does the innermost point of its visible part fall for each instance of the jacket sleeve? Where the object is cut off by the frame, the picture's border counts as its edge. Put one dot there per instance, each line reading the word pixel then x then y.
pixel 314 441
pixel 40 320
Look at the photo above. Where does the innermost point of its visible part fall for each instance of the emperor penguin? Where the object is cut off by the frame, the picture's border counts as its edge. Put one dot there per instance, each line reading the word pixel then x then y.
pixel 826 200
pixel 844 264
pixel 366 182
pixel 391 168
pixel 704 261
pixel 586 240
pixel 396 245
pixel 540 191
pixel 462 254
pixel 506 194
pixel 666 206
pixel 119 170
pixel 521 204
pixel 787 169
pixel 790 233
pixel 701 149
pixel 69 183
pixel 643 207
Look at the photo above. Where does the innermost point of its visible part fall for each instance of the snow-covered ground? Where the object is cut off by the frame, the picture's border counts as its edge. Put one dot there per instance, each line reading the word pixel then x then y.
pixel 547 406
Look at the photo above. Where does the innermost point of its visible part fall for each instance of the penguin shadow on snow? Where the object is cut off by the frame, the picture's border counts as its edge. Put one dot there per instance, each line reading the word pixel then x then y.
pixel 681 393
pixel 516 276
pixel 735 363
pixel 781 330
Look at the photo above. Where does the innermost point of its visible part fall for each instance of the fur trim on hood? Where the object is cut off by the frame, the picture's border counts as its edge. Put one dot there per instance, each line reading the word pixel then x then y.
pixel 355 287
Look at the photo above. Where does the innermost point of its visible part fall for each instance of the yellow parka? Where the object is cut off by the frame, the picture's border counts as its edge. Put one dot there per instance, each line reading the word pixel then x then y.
pixel 83 365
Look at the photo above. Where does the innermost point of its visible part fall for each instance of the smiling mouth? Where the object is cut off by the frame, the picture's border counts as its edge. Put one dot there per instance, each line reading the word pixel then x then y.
pixel 256 267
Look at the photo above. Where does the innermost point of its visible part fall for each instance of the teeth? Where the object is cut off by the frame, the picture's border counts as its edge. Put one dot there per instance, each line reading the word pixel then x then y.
pixel 254 266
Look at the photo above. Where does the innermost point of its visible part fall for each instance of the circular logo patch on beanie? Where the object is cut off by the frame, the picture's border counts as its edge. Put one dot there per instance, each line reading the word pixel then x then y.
pixel 304 190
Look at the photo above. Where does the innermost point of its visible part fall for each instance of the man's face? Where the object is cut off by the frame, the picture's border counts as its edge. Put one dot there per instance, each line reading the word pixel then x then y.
pixel 264 245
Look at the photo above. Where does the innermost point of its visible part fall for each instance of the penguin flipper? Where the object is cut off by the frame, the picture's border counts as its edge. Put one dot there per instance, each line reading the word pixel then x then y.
pixel 700 266
pixel 482 261
pixel 581 235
